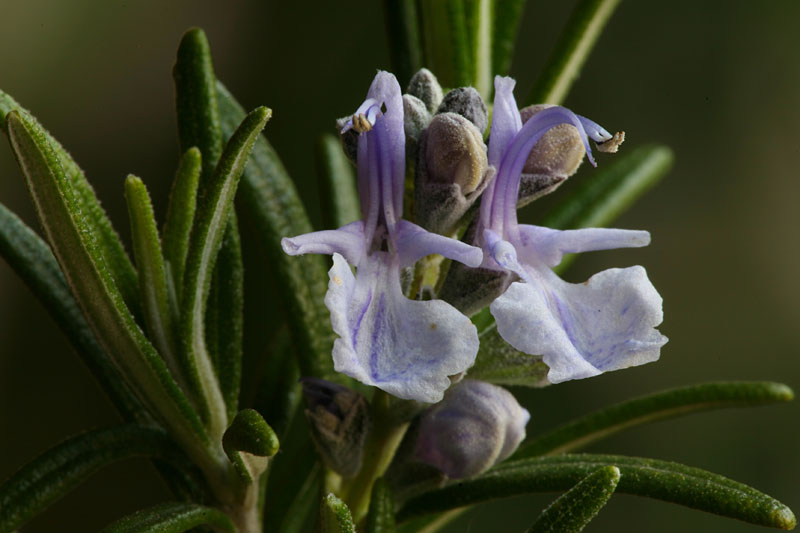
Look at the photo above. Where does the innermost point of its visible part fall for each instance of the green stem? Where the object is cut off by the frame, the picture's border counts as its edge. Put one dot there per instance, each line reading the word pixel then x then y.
pixel 381 446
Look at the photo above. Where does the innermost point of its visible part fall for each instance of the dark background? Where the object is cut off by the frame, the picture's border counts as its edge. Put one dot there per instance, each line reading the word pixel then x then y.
pixel 717 81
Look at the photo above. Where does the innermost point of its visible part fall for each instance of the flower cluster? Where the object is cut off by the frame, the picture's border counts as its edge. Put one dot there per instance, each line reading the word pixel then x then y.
pixel 415 348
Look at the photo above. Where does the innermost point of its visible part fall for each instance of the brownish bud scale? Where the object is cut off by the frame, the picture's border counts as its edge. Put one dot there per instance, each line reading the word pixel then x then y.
pixel 451 172
pixel 340 422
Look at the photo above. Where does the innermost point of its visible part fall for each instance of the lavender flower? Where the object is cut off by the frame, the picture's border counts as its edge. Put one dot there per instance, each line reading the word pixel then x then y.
pixel 580 330
pixel 407 348
pixel 476 426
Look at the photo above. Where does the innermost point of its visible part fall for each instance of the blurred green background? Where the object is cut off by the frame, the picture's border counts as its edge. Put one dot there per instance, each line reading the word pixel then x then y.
pixel 718 81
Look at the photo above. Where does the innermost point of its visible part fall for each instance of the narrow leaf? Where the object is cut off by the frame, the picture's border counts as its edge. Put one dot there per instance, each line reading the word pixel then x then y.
pixel 337 183
pixel 662 480
pixel 196 100
pixel 172 518
pixel 402 31
pixel 573 511
pixel 180 215
pixel 507 15
pixel 209 227
pixel 229 307
pixel 380 518
pixel 574 46
pixel 481 26
pixel 79 254
pixel 335 517
pixel 62 468
pixel 32 260
pixel 447 50
pixel 611 190
pixel 270 197
pixel 153 286
pixel 652 408
pixel 248 443
pixel 498 362
pixel 278 392
pixel 108 242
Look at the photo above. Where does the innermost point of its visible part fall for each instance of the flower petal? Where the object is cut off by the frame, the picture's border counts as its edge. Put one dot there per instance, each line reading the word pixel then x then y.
pixel 405 347
pixel 347 241
pixel 414 243
pixel 549 245
pixel 581 330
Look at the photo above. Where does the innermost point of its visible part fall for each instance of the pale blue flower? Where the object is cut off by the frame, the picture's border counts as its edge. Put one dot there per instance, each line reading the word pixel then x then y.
pixel 405 347
pixel 580 330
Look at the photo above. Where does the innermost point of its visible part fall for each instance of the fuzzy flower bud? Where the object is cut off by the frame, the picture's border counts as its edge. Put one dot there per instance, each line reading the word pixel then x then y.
pixel 476 426
pixel 451 172
pixel 425 86
pixel 340 422
pixel 467 102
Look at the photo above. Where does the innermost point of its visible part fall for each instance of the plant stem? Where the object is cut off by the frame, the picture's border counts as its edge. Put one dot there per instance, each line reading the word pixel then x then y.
pixel 387 433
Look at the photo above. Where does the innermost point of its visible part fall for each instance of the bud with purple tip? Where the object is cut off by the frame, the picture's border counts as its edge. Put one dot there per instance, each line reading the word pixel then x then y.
pixel 476 426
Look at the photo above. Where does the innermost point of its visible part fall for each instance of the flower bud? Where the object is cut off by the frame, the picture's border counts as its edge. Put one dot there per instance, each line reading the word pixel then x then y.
pixel 451 172
pixel 553 159
pixel 471 289
pixel 340 422
pixel 416 117
pixel 425 86
pixel 474 427
pixel 467 102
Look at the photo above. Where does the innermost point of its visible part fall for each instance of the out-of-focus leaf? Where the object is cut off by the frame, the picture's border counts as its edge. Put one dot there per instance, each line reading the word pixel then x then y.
pixel 662 480
pixel 498 362
pixel 402 31
pixel 153 286
pixel 180 216
pixel 270 196
pixel 279 393
pixel 446 39
pixel 574 509
pixel 651 408
pixel 573 47
pixel 108 243
pixel 172 518
pixel 32 260
pixel 80 255
pixel 335 517
pixel 209 227
pixel 62 468
pixel 507 14
pixel 480 24
pixel 337 183
pixel 380 518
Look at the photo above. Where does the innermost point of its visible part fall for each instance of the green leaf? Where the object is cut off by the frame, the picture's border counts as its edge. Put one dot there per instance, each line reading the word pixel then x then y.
pixel 108 243
pixel 652 408
pixel 335 517
pixel 248 442
pixel 402 31
pixel 196 101
pixel 573 511
pixel 507 14
pixel 172 518
pixel 278 393
pixel 228 283
pixel 662 480
pixel 152 273
pixel 574 46
pixel 380 518
pixel 180 216
pixel 62 468
pixel 498 362
pixel 207 233
pixel 480 16
pixel 76 246
pixel 337 183
pixel 447 49
pixel 32 260
pixel 271 199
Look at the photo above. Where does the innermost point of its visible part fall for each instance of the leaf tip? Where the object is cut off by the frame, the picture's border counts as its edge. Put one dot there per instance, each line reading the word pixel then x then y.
pixel 784 518
pixel 781 392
